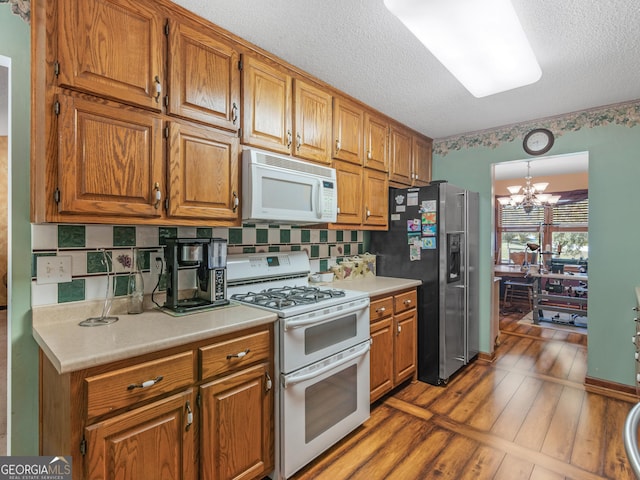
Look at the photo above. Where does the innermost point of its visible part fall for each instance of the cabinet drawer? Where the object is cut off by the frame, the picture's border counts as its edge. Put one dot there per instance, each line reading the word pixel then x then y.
pixel 221 357
pixel 380 309
pixel 405 301
pixel 127 386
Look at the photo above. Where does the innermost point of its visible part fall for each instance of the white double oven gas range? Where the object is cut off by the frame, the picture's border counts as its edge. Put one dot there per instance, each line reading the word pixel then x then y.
pixel 322 352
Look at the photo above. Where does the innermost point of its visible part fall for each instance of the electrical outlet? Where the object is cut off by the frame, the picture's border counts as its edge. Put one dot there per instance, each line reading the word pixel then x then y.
pixel 53 269
pixel 156 262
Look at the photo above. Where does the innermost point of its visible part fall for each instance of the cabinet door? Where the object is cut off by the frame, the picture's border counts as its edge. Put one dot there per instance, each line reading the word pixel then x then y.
pixel 349 179
pixel 347 131
pixel 154 441
pixel 405 345
pixel 237 425
pixel 381 358
pixel 376 143
pixel 266 106
pixel 376 202
pixel 204 79
pixel 203 173
pixel 422 158
pixel 312 125
pixel 109 159
pixel 400 160
pixel 113 48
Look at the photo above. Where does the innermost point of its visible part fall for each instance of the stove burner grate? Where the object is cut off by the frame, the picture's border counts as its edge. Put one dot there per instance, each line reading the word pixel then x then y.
pixel 284 297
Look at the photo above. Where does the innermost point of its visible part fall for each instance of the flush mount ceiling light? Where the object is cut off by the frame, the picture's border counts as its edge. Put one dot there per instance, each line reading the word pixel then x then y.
pixel 532 195
pixel 480 42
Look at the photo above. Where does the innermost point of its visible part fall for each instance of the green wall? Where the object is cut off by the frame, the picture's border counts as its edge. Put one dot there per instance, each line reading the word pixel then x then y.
pixel 614 230
pixel 23 377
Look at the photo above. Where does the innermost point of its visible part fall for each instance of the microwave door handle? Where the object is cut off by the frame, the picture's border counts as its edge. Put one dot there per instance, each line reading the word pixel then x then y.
pixel 316 373
pixel 290 324
pixel 319 199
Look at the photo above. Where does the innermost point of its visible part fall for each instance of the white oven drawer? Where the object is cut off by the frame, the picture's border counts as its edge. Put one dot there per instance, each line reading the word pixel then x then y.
pixel 322 403
pixel 311 337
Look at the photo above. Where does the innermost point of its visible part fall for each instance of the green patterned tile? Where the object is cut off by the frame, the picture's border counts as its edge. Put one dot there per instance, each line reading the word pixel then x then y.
pixel 262 235
pixel 354 235
pixel 71 236
pixel 167 232
pixel 145 260
pixel 204 232
pixel 235 236
pixel 121 285
pixel 95 262
pixel 324 236
pixel 72 291
pixel 339 236
pixel 315 251
pixel 305 236
pixel 34 261
pixel 124 236
pixel 249 250
pixel 285 235
pixel 347 249
pixel 274 248
pixel 296 248
pixel 360 249
pixel 324 265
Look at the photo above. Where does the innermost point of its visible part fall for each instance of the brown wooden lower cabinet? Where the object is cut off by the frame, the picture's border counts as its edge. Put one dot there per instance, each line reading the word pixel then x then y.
pixel 159 416
pixel 393 356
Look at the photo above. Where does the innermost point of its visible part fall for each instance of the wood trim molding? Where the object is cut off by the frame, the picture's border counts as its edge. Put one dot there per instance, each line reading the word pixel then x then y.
pixel 611 389
pixel 487 357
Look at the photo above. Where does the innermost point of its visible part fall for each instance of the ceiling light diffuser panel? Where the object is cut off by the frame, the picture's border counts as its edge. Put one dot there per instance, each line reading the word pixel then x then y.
pixel 481 42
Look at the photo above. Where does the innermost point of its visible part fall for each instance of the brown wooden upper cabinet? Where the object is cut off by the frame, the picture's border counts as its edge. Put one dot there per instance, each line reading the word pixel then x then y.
pixel 421 161
pixel 110 159
pixel 348 125
pixel 284 114
pixel 400 160
pixel 203 75
pixel 202 172
pixel 376 142
pixel 113 48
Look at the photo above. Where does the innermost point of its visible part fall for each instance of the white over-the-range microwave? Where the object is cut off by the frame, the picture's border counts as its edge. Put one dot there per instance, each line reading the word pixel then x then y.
pixel 280 189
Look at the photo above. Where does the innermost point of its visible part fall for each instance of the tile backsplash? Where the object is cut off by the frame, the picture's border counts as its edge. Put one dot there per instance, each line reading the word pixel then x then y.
pixel 85 245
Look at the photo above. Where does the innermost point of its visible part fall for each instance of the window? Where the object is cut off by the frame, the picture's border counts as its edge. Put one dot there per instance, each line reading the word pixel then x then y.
pixel 563 228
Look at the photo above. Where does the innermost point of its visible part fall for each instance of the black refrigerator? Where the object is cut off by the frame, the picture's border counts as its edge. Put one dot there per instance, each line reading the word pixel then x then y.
pixel 433 237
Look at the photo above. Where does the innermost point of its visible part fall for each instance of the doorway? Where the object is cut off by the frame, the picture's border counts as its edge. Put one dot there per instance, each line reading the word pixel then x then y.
pixel 5 195
pixel 551 238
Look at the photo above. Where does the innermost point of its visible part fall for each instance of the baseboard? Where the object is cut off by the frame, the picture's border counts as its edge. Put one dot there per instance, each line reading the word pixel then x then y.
pixel 611 389
pixel 487 357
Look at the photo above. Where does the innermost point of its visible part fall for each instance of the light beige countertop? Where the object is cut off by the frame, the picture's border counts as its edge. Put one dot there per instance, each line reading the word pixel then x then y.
pixel 376 286
pixel 71 347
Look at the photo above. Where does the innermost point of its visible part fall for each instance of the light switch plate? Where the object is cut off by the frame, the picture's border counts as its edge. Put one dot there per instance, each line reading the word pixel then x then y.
pixel 53 269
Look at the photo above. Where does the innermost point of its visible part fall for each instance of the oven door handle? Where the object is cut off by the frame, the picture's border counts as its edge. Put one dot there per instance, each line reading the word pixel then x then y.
pixel 288 324
pixel 316 373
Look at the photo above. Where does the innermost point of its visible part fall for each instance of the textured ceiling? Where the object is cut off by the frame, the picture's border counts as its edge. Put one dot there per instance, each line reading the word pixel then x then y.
pixel 589 52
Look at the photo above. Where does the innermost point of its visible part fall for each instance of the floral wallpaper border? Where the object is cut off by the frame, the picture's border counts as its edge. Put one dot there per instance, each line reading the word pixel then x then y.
pixel 20 7
pixel 627 113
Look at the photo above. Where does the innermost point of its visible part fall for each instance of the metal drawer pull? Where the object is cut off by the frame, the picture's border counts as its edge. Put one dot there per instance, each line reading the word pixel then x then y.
pixel 189 416
pixel 381 310
pixel 148 383
pixel 407 302
pixel 238 355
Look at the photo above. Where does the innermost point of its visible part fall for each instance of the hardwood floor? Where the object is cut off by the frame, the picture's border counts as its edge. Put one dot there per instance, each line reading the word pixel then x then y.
pixel 526 415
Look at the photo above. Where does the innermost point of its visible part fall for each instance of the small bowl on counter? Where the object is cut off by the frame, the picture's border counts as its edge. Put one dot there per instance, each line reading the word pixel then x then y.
pixel 321 277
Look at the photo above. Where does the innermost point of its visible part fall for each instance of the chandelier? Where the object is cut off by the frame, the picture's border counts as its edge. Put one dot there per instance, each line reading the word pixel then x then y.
pixel 529 196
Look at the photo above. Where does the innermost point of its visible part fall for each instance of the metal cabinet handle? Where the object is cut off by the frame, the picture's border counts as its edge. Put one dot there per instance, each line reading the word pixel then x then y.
pixel 158 89
pixel 238 355
pixel 337 145
pixel 407 302
pixel 381 310
pixel 189 416
pixel 145 384
pixel 236 201
pixel 298 141
pixel 367 211
pixel 268 384
pixel 369 156
pixel 399 329
pixel 289 138
pixel 158 195
pixel 234 113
